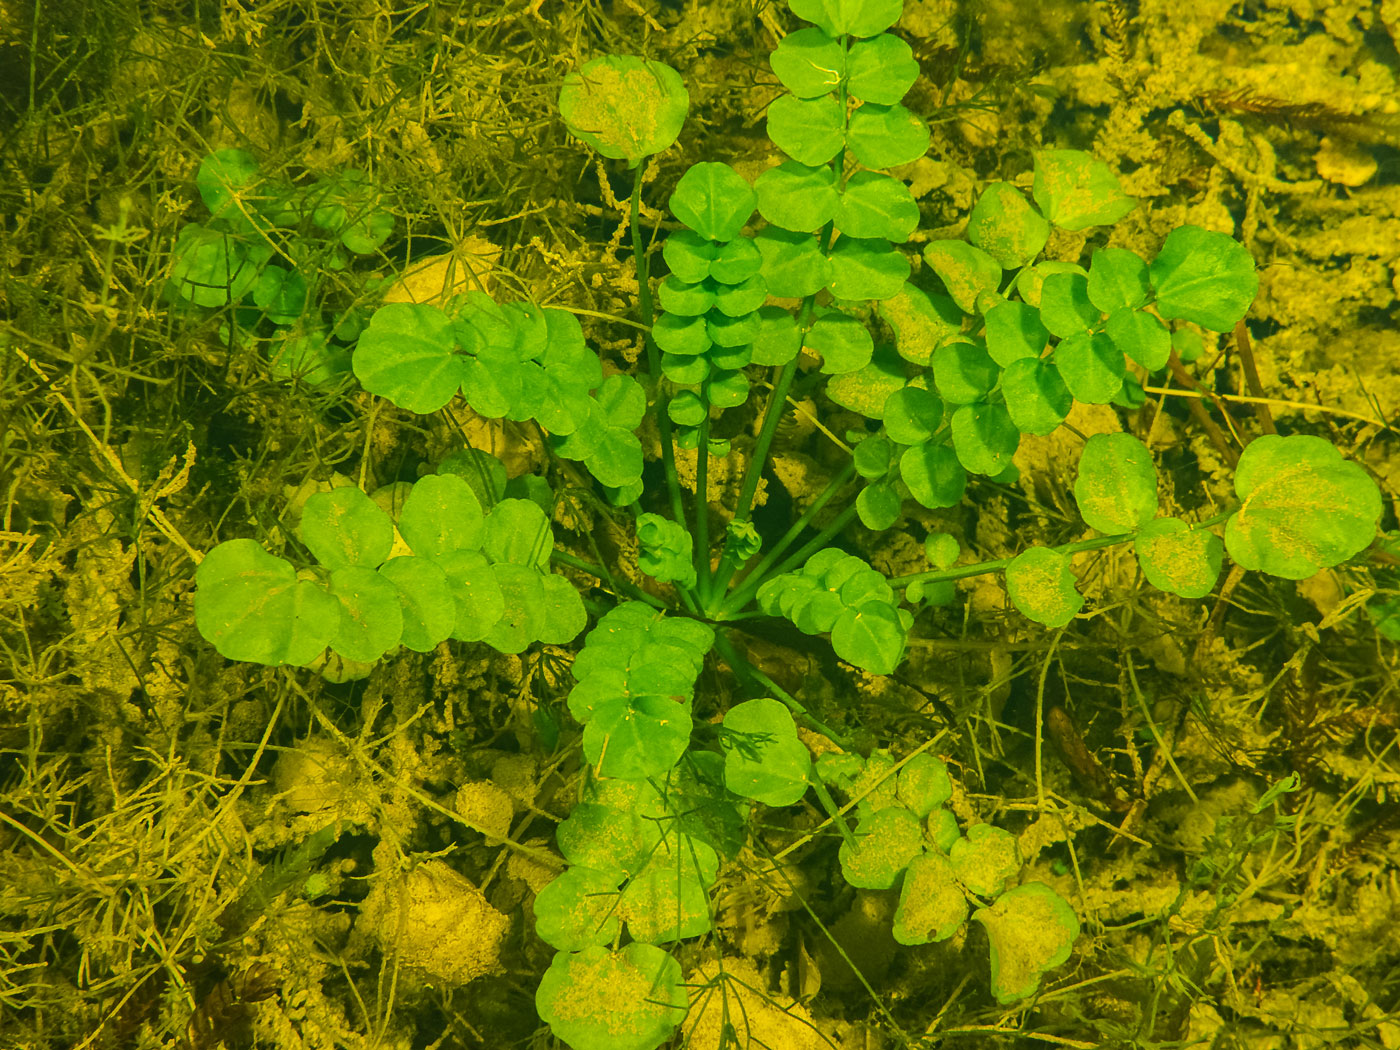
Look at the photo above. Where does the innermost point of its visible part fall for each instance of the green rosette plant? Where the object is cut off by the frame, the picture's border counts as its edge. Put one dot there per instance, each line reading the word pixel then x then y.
pixel 991 342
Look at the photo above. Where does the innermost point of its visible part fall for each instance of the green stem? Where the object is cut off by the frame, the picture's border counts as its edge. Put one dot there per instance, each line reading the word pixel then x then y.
pixel 620 586
pixel 833 811
pixel 760 571
pixel 644 303
pixel 702 508
pixel 982 568
pixel 744 669
pixel 744 594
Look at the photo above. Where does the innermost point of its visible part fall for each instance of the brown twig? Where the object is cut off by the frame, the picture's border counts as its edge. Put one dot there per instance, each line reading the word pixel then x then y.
pixel 1199 413
pixel 1251 377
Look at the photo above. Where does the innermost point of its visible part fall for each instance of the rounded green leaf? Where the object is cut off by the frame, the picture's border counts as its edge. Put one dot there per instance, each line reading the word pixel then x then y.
pixel 924 784
pixel 689 255
pixel 881 69
pixel 625 107
pixel 1065 308
pixel 985 438
pixel 809 63
pixel 517 531
pixel 522 590
pixel 1092 367
pixel 1075 191
pixel 886 136
pixel 1031 280
pixel 1031 929
pixel 686 409
pixel 963 372
pixel 211 268
pixel 476 592
pixel 736 261
pixel 1303 507
pixel 442 514
pixel 687 300
pixel 912 414
pixel 871 637
pixel 1204 277
pixel 407 355
pixel 714 200
pixel 1179 559
pixel 967 272
pixel 737 300
pixel 876 205
pixel 763 758
pixel 1036 395
pixel 1118 279
pixel 867 269
pixel 598 999
pixel 682 335
pixel 1140 336
pixel 985 859
pixel 1014 332
pixel 307 355
pixel 941 549
pixel 932 906
pixel 797 197
pixel 227 181
pixel 778 340
pixel 661 905
pixel 878 506
pixel 425 600
pixel 793 264
pixel 810 131
pixel 636 737
pixel 842 342
pixel 853 17
pixel 1116 487
pixel 250 605
pixel 345 527
pixel 885 843
pixel 1042 586
pixel 1006 226
pixel 934 476
pixel 866 389
pixel 280 293
pixel 727 389
pixel 921 322
pixel 372 618
pixel 579 909
pixel 564 614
